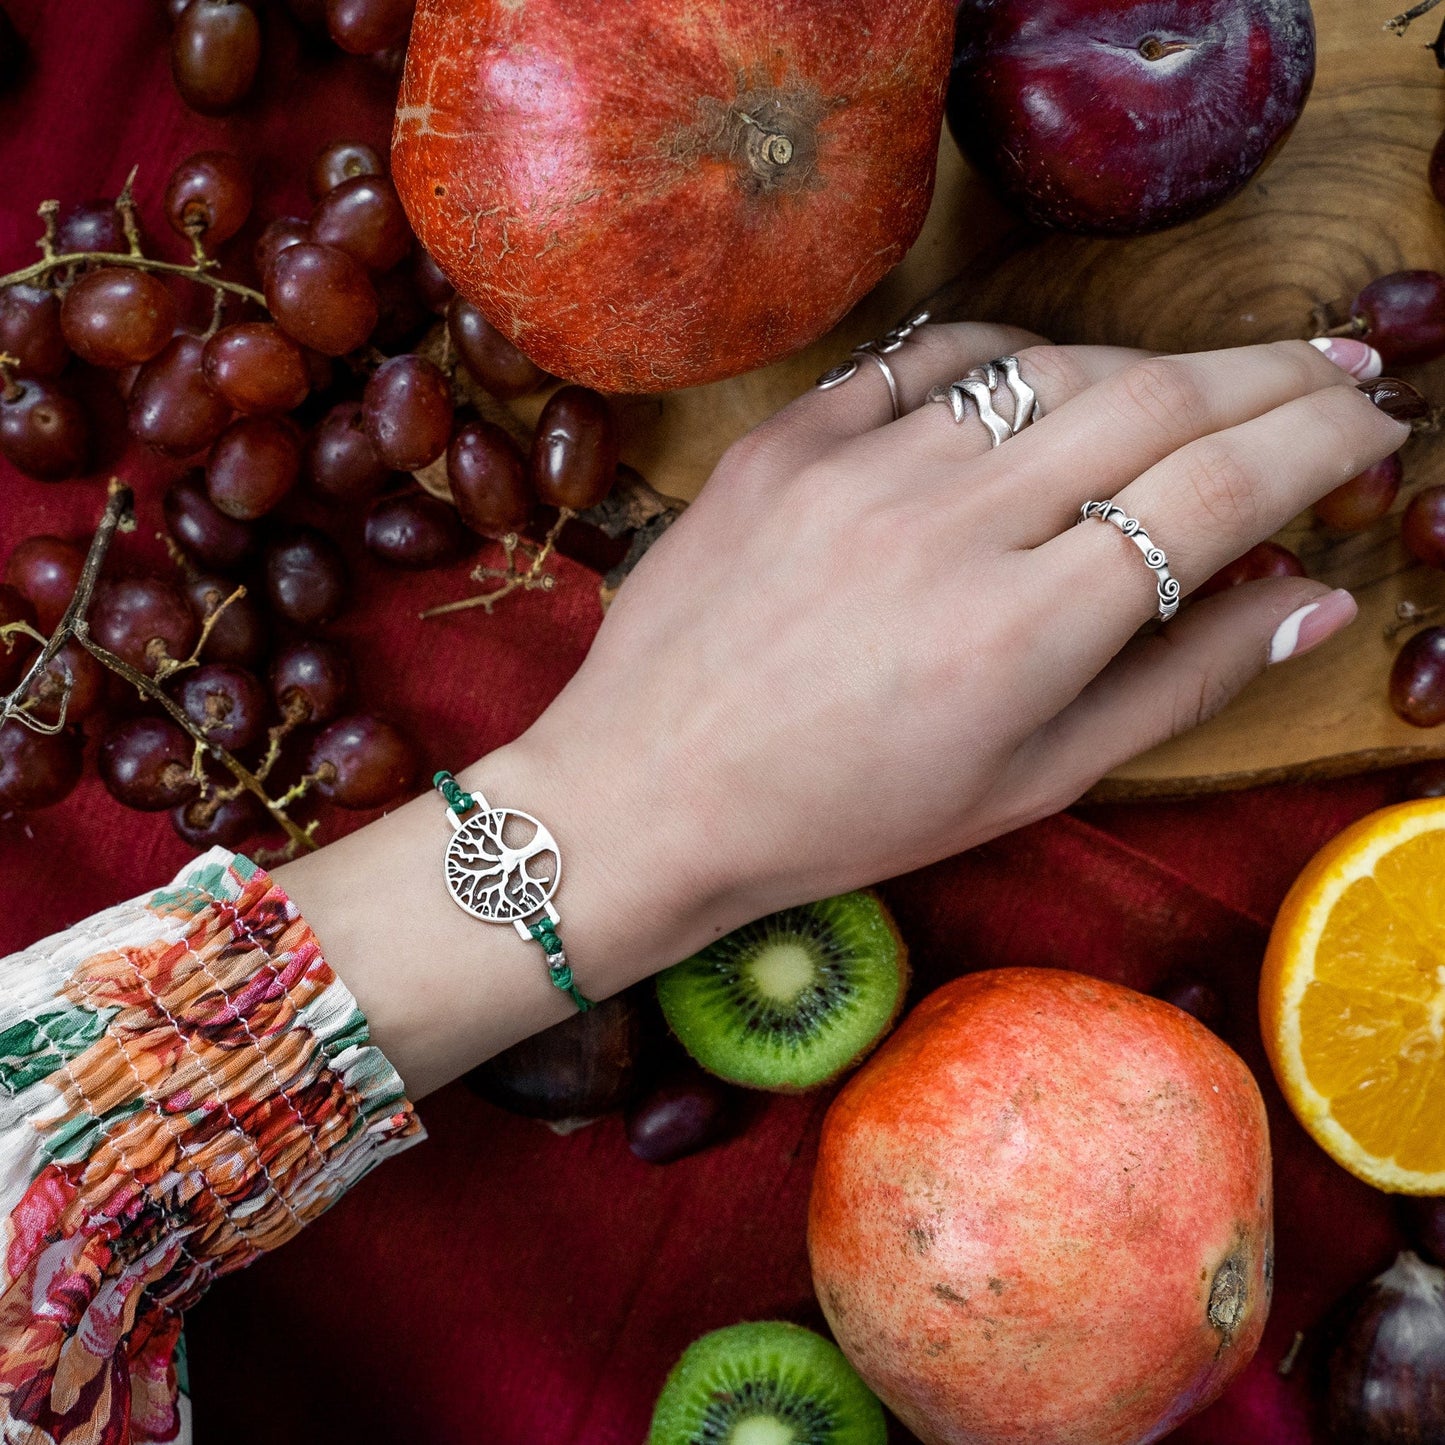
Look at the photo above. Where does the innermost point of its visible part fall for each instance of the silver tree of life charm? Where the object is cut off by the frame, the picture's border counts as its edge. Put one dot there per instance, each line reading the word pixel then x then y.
pixel 502 866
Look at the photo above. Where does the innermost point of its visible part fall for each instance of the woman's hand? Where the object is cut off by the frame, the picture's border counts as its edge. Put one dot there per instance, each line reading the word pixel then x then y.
pixel 871 644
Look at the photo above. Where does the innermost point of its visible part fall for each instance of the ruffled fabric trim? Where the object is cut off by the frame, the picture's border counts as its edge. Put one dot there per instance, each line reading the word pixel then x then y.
pixel 184 1084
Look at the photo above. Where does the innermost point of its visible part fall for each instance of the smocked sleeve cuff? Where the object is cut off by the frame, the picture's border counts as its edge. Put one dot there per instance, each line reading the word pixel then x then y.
pixel 184 1083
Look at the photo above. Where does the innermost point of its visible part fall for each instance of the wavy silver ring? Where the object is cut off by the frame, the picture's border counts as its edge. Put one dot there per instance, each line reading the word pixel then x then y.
pixel 980 387
pixel 1168 585
pixel 889 342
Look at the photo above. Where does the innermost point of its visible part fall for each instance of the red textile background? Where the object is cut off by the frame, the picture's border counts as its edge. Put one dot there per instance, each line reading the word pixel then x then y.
pixel 502 1284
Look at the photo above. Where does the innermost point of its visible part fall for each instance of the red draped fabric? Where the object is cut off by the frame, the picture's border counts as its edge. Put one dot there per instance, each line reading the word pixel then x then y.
pixel 502 1284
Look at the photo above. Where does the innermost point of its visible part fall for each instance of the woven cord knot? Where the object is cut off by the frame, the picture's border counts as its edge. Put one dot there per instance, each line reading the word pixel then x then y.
pixel 458 800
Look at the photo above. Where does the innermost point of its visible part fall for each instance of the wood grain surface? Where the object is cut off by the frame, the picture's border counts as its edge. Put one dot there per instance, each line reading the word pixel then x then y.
pixel 1345 200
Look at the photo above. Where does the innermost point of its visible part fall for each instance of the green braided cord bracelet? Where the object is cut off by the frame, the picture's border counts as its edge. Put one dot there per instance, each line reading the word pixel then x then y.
pixel 502 882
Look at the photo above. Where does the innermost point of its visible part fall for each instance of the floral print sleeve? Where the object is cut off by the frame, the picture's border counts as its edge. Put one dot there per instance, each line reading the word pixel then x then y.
pixel 184 1083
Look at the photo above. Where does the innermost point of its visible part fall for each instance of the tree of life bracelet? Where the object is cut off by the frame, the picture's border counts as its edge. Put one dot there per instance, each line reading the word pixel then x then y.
pixel 503 866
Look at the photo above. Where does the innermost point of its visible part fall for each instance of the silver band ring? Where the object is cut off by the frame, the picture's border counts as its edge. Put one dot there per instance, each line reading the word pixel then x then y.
pixel 1168 584
pixel 888 376
pixel 889 342
pixel 980 387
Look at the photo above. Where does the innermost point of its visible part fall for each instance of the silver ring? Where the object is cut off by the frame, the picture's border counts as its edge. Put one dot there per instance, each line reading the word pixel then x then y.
pixel 980 387
pixel 1168 584
pixel 889 342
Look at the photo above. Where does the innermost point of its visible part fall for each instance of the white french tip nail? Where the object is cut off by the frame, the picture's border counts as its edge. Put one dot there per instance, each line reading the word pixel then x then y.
pixel 1286 635
pixel 1351 355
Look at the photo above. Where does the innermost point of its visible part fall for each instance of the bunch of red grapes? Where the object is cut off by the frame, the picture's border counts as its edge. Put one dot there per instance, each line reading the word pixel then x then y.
pixel 1402 316
pixel 300 394
pixel 216 44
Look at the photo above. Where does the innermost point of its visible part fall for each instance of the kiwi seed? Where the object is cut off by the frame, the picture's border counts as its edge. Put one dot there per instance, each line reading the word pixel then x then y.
pixel 769 1383
pixel 795 998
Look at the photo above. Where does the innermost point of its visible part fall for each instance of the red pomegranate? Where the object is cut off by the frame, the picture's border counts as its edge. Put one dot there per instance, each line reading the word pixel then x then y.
pixel 1041 1213
pixel 661 193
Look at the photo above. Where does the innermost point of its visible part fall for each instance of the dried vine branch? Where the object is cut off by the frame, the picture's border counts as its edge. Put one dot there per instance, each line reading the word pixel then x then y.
pixel 119 516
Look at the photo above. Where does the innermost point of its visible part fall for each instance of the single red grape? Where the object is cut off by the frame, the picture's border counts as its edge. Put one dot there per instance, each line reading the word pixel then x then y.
pixel 310 15
pixel 16 649
pixel 92 226
pixel 1364 499
pixel 488 477
pixel 145 763
pixel 680 1116
pixel 362 27
pixel 44 430
pixel 1422 528
pixel 306 577
pixel 202 529
pixel 310 680
pixel 143 620
pixel 363 217
pixel 574 450
pixel 36 769
pixel 282 232
pixel 1402 316
pixel 431 282
pixel 407 409
pixel 1417 680
pixel 253 465
pixel 228 823
pixel 1267 559
pixel 1196 997
pixel 227 703
pixel 239 634
pixel 215 53
pixel 342 460
pixel 402 316
pixel 414 529
pixel 116 316
pixel 209 195
pixel 492 359
pixel 322 297
pixel 363 762
pixel 257 368
pixel 73 676
pixel 46 570
pixel 342 160
pixel 30 330
pixel 172 407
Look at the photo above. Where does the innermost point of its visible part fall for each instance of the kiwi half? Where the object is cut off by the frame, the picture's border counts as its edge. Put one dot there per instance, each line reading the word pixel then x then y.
pixel 765 1384
pixel 795 998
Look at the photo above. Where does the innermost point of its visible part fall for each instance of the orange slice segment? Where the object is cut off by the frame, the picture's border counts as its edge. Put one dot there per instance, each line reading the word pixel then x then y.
pixel 1352 998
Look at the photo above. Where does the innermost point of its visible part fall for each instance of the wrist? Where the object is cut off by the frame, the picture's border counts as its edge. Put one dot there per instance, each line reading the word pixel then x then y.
pixel 634 895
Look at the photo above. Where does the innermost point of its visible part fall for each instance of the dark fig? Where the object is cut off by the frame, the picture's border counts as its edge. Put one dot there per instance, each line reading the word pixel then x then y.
pixel 1387 1374
pixel 578 1069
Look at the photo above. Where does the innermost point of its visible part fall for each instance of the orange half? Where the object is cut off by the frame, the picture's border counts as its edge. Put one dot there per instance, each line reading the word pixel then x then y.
pixel 1352 998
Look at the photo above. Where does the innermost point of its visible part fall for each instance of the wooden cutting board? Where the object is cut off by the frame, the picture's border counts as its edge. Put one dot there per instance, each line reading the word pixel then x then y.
pixel 1346 200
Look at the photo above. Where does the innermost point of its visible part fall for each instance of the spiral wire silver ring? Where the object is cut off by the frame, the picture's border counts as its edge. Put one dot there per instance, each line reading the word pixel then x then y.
pixel 1169 588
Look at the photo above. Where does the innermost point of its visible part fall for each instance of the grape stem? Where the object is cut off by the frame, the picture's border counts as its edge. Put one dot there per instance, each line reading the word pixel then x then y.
pixel 1401 23
pixel 50 260
pixel 119 516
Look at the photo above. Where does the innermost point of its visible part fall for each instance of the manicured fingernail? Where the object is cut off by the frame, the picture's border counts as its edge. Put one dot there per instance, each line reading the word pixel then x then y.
pixel 1312 624
pixel 1396 398
pixel 1359 358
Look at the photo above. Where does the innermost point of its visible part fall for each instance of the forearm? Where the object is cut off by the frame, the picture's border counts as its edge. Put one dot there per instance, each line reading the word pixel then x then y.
pixel 442 990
